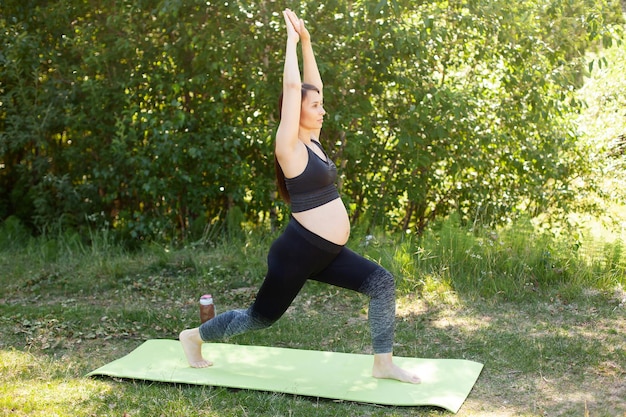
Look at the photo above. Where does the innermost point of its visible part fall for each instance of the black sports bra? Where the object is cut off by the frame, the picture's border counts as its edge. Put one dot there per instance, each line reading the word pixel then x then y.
pixel 315 186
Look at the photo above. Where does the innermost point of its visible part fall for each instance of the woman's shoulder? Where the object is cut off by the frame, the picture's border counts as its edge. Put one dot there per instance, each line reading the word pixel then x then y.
pixel 293 161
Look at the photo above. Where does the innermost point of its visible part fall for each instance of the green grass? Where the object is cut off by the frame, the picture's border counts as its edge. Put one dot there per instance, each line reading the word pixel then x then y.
pixel 548 327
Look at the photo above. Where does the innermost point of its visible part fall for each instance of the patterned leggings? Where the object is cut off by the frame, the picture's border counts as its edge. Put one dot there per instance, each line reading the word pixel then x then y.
pixel 296 256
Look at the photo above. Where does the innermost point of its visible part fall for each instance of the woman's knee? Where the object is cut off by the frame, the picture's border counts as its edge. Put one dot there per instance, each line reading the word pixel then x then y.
pixel 260 321
pixel 379 283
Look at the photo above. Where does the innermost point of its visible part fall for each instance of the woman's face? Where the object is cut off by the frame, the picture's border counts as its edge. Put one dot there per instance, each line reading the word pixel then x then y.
pixel 312 111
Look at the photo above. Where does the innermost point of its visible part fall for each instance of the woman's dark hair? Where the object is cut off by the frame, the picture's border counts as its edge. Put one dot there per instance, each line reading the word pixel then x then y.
pixel 280 176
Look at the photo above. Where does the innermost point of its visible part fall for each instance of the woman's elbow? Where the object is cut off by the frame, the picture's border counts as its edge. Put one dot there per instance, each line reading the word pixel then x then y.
pixel 291 85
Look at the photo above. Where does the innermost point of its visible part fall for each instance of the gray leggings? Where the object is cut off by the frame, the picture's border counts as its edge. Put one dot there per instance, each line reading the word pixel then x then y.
pixel 296 256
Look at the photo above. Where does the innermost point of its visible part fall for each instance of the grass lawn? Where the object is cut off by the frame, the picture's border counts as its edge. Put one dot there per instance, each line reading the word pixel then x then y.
pixel 67 309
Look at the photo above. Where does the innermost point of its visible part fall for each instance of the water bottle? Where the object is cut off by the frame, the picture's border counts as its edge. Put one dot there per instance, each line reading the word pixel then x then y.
pixel 207 308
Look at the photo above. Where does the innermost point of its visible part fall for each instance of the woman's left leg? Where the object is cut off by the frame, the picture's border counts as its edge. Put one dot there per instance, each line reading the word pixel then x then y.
pixel 352 271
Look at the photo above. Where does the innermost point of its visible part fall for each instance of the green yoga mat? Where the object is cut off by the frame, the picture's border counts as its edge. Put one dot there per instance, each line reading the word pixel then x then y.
pixel 446 383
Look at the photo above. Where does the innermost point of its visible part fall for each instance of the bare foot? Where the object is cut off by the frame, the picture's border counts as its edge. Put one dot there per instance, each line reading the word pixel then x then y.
pixel 384 368
pixel 192 345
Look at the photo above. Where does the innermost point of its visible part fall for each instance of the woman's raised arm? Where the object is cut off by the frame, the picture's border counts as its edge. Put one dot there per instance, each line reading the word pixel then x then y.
pixel 287 134
pixel 311 72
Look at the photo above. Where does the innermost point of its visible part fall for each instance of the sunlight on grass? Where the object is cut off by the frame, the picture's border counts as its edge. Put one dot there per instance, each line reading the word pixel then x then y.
pixel 30 387
pixel 13 363
pixel 439 289
pixel 467 323
pixel 409 306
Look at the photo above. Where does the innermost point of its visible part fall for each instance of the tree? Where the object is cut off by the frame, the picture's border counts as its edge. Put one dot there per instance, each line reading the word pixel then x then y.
pixel 156 117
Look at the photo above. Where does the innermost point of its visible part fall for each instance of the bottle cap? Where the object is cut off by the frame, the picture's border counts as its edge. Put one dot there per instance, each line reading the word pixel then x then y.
pixel 206 299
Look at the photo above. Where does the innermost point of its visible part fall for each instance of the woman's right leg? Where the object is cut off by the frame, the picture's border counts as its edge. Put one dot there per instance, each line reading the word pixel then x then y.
pixel 291 260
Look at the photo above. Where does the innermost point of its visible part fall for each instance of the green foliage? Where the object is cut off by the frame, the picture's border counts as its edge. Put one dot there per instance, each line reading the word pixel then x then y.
pixel 468 110
pixel 131 118
pixel 13 234
pixel 154 117
pixel 603 123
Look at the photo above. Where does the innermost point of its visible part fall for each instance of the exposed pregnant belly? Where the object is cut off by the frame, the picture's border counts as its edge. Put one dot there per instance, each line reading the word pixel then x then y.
pixel 329 221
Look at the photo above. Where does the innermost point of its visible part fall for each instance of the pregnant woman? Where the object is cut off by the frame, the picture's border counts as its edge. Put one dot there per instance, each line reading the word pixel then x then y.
pixel 312 245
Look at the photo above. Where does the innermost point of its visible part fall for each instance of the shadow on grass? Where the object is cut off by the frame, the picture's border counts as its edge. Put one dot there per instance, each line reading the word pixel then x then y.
pixel 541 357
